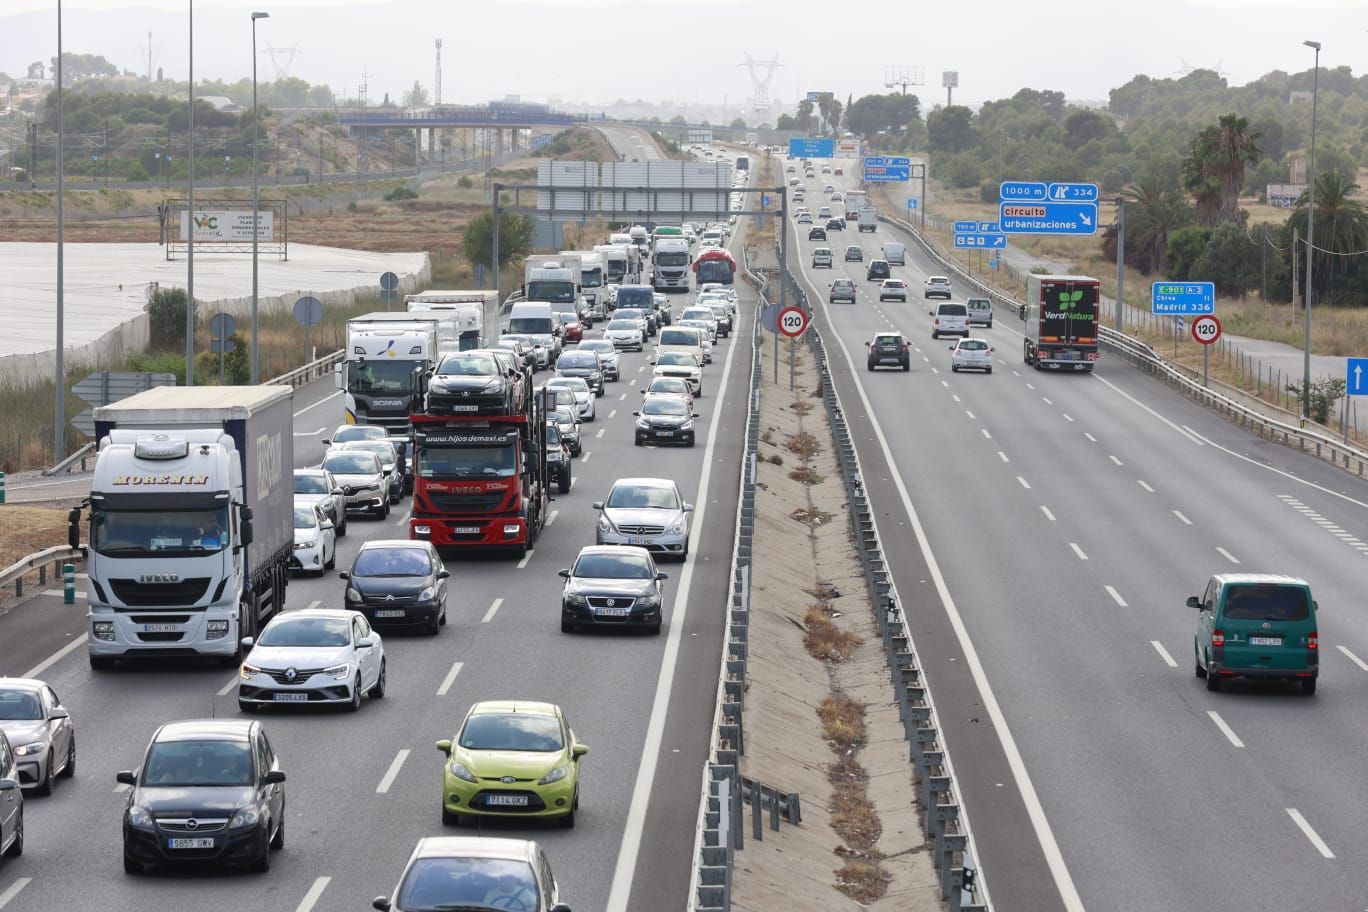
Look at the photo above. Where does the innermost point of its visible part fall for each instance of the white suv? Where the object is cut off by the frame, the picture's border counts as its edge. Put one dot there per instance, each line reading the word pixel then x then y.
pixel 821 257
pixel 950 320
pixel 937 286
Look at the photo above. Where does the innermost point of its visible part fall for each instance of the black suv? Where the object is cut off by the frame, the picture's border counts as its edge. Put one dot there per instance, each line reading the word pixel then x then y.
pixel 889 349
pixel 878 271
pixel 816 234
pixel 209 790
pixel 842 290
pixel 473 383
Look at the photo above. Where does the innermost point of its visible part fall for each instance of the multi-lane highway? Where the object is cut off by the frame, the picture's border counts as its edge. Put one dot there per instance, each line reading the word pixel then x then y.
pixel 362 788
pixel 1061 521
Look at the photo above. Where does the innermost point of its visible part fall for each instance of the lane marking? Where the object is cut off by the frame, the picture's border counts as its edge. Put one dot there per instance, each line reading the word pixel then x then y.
pixel 1363 666
pixel 1003 456
pixel 1225 729
pixel 311 898
pixel 970 414
pixel 953 396
pixel 1067 416
pixel 585 458
pixel 613 414
pixel 228 688
pixel 1163 653
pixel 601 432
pixel 58 593
pixel 1141 483
pixel 494 608
pixel 1046 400
pixel 314 604
pixel 1077 550
pixel 945 383
pixel 622 398
pixel 1311 834
pixel 985 433
pixel 1090 437
pixel 450 678
pixel 1030 385
pixel 1184 519
pixel 551 517
pixel 1048 515
pixel 393 772
pixel 53 659
pixel 309 433
pixel 1227 555
pixel 1115 460
pixel 14 890
pixel 1116 596
pixel 327 398
pixel 1136 402
pixel 1024 483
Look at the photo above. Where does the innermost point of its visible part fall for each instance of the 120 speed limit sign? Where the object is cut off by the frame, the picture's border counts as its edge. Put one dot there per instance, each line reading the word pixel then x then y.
pixel 1206 329
pixel 793 321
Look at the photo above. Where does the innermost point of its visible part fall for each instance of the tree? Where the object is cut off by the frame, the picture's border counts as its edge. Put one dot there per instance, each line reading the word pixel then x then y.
pixel 515 238
pixel 1231 260
pixel 36 69
pixel 83 66
pixel 950 129
pixel 1153 214
pixel 786 122
pixel 1214 171
pixel 1341 228
pixel 835 112
pixel 738 124
pixel 416 97
pixel 805 108
pixel 166 319
pixel 1185 246
pixel 679 119
pixel 824 101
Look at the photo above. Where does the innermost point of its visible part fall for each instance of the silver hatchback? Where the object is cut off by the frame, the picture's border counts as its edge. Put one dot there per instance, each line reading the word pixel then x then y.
pixel 648 513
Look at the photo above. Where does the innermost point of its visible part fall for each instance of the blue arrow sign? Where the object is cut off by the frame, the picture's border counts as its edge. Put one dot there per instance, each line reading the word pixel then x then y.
pixel 984 241
pixel 966 227
pixel 885 168
pixel 1047 218
pixel 812 148
pixel 1191 298
pixel 1022 190
pixel 1356 376
pixel 1073 193
pixel 911 202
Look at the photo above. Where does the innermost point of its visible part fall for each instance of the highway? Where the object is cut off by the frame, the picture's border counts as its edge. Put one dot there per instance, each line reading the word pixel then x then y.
pixel 631 143
pixel 1060 522
pixel 363 788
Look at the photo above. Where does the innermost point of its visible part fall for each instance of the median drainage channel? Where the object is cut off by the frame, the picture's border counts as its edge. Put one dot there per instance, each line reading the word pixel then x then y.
pixel 819 722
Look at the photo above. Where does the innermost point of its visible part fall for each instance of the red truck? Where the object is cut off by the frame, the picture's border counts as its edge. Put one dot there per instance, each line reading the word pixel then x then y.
pixel 481 480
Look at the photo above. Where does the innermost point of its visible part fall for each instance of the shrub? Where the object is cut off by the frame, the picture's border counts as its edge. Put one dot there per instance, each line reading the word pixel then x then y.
pixel 465 183
pixel 401 193
pixel 166 318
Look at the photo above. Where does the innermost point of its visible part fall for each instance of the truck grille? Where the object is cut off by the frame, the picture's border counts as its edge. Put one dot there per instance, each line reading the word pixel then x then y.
pixel 186 592
pixel 466 503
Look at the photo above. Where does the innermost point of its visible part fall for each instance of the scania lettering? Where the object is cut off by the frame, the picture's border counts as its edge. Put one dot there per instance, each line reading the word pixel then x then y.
pixel 1061 322
pixel 190 526
pixel 384 374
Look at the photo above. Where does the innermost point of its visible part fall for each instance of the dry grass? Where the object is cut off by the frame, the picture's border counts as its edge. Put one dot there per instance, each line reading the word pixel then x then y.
pixel 807 475
pixel 843 722
pixel 773 459
pixel 804 445
pixel 863 880
pixel 801 407
pixel 27 530
pixel 811 516
pixel 827 641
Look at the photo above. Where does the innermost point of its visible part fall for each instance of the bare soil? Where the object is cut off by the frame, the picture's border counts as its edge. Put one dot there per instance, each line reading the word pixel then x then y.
pixel 27 530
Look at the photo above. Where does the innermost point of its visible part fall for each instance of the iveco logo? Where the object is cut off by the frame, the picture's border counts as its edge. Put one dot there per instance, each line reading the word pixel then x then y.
pixel 192 824
pixel 1266 625
pixel 159 578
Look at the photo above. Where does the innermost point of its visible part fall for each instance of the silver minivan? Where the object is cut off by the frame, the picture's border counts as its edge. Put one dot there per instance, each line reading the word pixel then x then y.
pixel 950 320
pixel 980 312
pixel 896 254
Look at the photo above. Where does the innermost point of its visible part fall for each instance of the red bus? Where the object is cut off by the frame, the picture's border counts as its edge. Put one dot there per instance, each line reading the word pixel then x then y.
pixel 714 265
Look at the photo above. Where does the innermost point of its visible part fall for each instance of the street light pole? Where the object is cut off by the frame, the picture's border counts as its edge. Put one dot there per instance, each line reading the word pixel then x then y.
pixel 190 213
pixel 1310 239
pixel 256 202
pixel 59 367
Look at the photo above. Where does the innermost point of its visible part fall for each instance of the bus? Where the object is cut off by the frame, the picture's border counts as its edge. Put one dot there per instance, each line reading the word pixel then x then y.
pixel 743 163
pixel 714 265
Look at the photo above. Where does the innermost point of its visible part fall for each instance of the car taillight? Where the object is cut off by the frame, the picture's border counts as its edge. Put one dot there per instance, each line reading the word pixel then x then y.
pixel 1218 638
pixel 1313 641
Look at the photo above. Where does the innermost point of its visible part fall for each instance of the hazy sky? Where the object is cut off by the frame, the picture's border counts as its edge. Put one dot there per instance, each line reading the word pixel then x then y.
pixel 689 50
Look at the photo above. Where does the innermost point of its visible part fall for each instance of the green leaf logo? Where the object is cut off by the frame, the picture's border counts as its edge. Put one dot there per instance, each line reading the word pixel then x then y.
pixel 1069 298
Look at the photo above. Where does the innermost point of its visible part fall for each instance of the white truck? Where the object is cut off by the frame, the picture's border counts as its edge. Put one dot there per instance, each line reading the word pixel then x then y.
pixel 621 265
pixel 553 280
pixel 641 238
pixel 464 315
pixel 855 200
pixel 384 375
pixel 670 264
pixel 191 524
pixel 593 268
pixel 869 218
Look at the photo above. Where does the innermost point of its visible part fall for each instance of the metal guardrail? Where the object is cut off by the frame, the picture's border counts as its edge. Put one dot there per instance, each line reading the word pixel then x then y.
pixel 1145 357
pixel 309 372
pixel 81 455
pixel 21 568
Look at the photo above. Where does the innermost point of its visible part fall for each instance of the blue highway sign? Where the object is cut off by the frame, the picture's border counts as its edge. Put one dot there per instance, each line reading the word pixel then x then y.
pixel 984 241
pixel 1356 376
pixel 885 168
pixel 1073 193
pixel 987 228
pixel 812 148
pixel 1192 298
pixel 1047 218
pixel 966 227
pixel 911 202
pixel 1022 190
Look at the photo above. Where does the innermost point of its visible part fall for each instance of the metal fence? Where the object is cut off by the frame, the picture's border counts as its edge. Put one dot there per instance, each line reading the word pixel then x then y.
pixel 14 574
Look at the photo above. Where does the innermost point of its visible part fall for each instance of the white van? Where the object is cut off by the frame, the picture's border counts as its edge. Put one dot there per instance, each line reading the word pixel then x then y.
pixel 680 338
pixel 536 320
pixel 895 254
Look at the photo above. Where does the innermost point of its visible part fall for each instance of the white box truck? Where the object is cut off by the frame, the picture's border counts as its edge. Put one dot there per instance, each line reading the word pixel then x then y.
pixel 465 315
pixel 191 521
pixel 593 279
pixel 385 372
pixel 869 218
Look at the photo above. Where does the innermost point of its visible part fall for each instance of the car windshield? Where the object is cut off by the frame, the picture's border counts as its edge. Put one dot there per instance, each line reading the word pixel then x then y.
pixel 557 291
pixel 353 463
pixel 888 340
pixel 311 484
pixel 601 565
pixel 973 345
pixel 392 562
pixel 382 448
pixel 436 884
pixel 553 436
pixel 598 345
pixel 663 406
pixel 1267 603
pixel 468 366
pixel 312 632
pixel 635 297
pixel 304 518
pixel 165 533
pixel 20 706
pixel 533 325
pixel 561 416
pixel 683 359
pixel 576 359
pixel 678 337
pixel 512 731
pixel 357 432
pixel 629 325
pixel 578 384
pixel 183 764
pixel 643 497
pixel 668 385
pixel 567 318
pixel 468 462
pixel 381 376
pixel 843 283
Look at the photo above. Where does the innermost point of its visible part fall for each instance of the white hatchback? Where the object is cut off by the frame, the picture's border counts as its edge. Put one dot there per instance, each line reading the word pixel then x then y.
pixel 971 354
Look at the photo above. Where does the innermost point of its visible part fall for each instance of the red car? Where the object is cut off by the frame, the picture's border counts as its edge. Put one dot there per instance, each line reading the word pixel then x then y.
pixel 574 329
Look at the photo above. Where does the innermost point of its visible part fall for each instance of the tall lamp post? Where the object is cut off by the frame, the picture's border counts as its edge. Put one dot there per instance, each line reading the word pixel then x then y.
pixel 256 226
pixel 190 213
pixel 1310 238
pixel 59 373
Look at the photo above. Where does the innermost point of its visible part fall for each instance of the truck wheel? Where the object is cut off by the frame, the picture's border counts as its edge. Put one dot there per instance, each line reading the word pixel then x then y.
pixel 563 482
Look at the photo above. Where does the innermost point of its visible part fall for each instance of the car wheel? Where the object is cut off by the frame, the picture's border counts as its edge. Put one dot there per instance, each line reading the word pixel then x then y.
pixel 1308 686
pixel 563 484
pixel 248 707
pixel 871 367
pixel 934 334
pixel 990 324
pixel 442 622
pixel 654 629
pixel 954 368
pixel 378 691
pixel 1197 668
pixel 278 840
pixel 355 703
pixel 331 562
pixel 1213 683
pixel 568 626
pixel 132 865
pixel 69 769
pixel 45 786
pixel 434 626
pixel 262 863
pixel 987 370
pixel 637 440
pixel 568 821
pixel 450 818
pixel 691 442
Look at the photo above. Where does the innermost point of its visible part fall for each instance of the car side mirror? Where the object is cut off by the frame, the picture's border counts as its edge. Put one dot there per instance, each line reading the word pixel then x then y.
pixel 563 573
pixel 366 642
pixel 953 347
pixel 327 441
pixel 930 313
pixel 443 574
pixel 662 575
pixel 560 907
pixel 382 903
pixel 636 414
pixel 688 508
pixel 59 713
pixel 344 575
pixel 325 524
pixel 444 745
pixel 579 750
pixel 338 492
pixel 1194 602
pixel 273 777
pixel 124 777
pixel 694 415
pixel 598 505
pixel 248 642
pixel 1315 605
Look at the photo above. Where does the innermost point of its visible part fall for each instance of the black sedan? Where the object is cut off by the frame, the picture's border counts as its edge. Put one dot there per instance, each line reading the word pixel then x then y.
pixel 398 582
pixel 612 586
pixel 816 233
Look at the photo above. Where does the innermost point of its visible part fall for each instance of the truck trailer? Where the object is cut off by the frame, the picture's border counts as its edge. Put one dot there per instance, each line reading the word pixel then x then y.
pixel 464 315
pixel 1061 322
pixel 191 521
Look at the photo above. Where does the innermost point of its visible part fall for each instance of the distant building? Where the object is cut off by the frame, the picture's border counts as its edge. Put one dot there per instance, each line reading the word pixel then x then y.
pixel 221 103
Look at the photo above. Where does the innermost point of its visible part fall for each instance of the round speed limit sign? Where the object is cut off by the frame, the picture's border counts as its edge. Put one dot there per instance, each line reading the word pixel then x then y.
pixel 1206 329
pixel 793 321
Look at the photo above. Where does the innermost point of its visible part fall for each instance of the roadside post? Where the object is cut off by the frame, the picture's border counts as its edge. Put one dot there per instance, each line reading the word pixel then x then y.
pixel 793 322
pixel 1206 329
pixel 68 584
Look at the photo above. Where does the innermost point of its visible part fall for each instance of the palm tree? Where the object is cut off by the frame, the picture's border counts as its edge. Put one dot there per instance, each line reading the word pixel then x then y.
pixel 1157 213
pixel 1214 171
pixel 1341 227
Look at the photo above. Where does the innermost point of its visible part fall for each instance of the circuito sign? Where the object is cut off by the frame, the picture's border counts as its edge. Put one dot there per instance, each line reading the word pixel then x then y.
pixel 793 321
pixel 1206 329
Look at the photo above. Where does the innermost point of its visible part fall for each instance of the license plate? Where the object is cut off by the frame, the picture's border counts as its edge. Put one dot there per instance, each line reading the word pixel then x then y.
pixel 159 628
pixel 612 612
pixel 466 530
pixel 200 842
pixel 1265 641
pixel 389 613
pixel 638 541
pixel 465 408
pixel 506 800
pixel 664 433
pixel 290 698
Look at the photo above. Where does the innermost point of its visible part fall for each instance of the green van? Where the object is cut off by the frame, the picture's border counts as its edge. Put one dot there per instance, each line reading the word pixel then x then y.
pixel 1256 625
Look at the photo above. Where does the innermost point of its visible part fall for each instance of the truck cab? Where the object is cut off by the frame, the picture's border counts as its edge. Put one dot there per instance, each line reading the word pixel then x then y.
pixel 385 372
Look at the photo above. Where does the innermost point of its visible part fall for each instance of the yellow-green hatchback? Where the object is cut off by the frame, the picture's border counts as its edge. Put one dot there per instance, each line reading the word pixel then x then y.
pixel 1255 625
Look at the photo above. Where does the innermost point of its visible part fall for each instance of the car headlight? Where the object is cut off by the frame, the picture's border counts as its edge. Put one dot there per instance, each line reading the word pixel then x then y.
pixel 139 817
pixel 104 630
pixel 246 671
pixel 33 747
pixel 338 671
pixel 458 769
pixel 427 594
pixel 677 528
pixel 648 601
pixel 556 775
pixel 300 546
pixel 352 595
pixel 687 426
pixel 575 600
pixel 248 816
pixel 605 524
pixel 643 424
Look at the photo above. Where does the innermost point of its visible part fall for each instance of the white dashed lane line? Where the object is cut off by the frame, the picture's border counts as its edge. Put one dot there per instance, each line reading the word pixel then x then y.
pixel 1163 653
pixel 1116 597
pixel 1077 550
pixel 1141 483
pixel 1067 416
pixel 1048 515
pixel 970 414
pixel 315 893
pixel 984 432
pixel 1185 521
pixel 1310 834
pixel 393 772
pixel 1227 555
pixel 1046 400
pixel 450 678
pixel 14 890
pixel 1363 666
pixel 601 432
pixel 1328 525
pixel 226 689
pixel 551 517
pixel 1115 460
pixel 613 413
pixel 1090 437
pixel 1003 456
pixel 1225 729
pixel 494 608
pixel 1024 483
